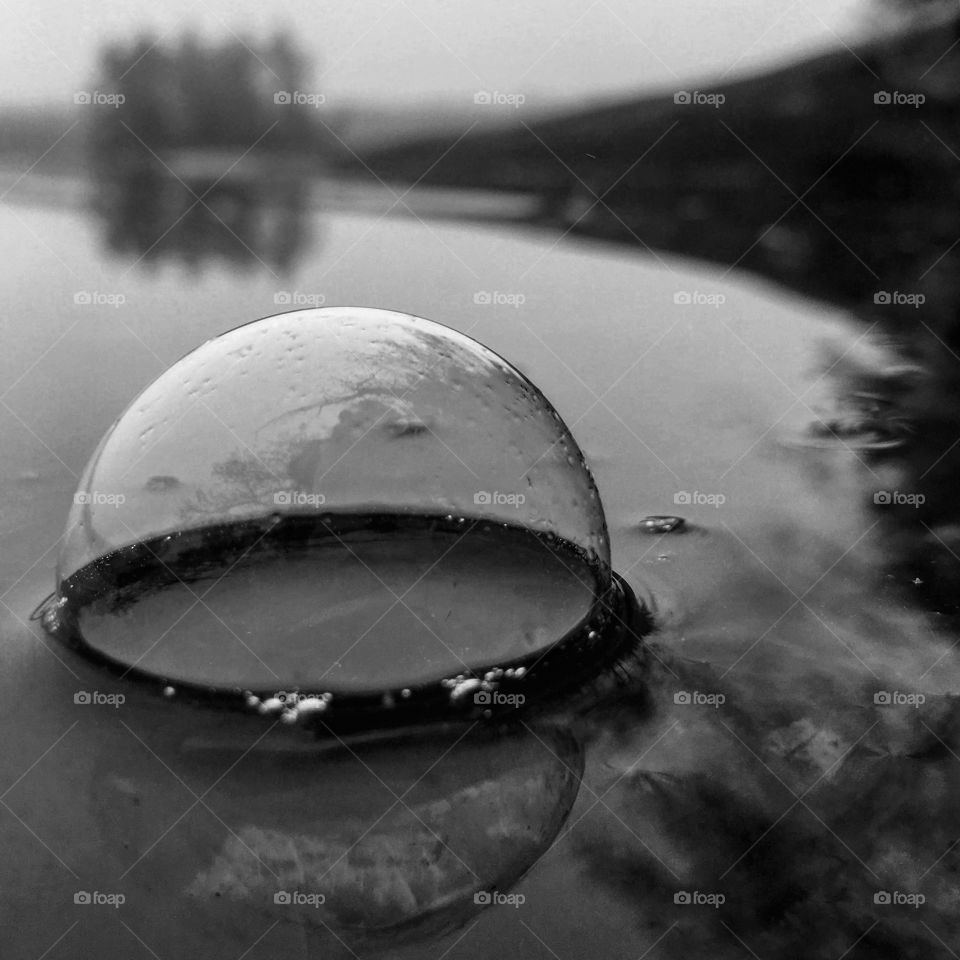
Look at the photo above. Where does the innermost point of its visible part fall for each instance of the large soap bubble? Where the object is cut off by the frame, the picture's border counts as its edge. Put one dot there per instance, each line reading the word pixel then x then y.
pixel 343 507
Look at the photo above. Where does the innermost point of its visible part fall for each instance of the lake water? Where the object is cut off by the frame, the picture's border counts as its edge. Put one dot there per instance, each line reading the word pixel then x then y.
pixel 745 756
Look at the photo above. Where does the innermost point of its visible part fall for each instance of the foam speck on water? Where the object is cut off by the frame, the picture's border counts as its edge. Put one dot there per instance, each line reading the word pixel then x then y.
pixel 310 707
pixel 464 688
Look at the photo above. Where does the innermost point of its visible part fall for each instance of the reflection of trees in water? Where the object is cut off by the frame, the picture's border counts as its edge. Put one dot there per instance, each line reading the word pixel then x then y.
pixel 896 416
pixel 917 495
pixel 152 216
pixel 209 153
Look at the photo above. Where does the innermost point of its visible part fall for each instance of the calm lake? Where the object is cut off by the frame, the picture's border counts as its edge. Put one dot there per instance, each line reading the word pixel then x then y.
pixel 745 757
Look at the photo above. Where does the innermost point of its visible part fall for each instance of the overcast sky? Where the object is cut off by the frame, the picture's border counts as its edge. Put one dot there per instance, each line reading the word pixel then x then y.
pixel 405 49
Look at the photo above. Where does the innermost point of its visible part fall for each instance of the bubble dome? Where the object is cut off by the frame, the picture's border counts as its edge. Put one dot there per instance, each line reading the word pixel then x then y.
pixel 341 507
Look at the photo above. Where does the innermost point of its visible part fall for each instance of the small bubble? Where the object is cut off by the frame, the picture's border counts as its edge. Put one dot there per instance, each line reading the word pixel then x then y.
pixel 169 691
pixel 464 688
pixel 405 693
pixel 311 705
pixel 661 524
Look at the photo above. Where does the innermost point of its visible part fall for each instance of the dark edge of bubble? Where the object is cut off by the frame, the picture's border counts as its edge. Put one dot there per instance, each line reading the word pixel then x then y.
pixel 612 628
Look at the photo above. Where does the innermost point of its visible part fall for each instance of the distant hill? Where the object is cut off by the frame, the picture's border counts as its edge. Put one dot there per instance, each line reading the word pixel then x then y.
pixel 40 138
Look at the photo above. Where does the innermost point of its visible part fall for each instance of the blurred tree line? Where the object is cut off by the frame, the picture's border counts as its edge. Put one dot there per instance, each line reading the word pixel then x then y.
pixel 201 152
pixel 207 96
